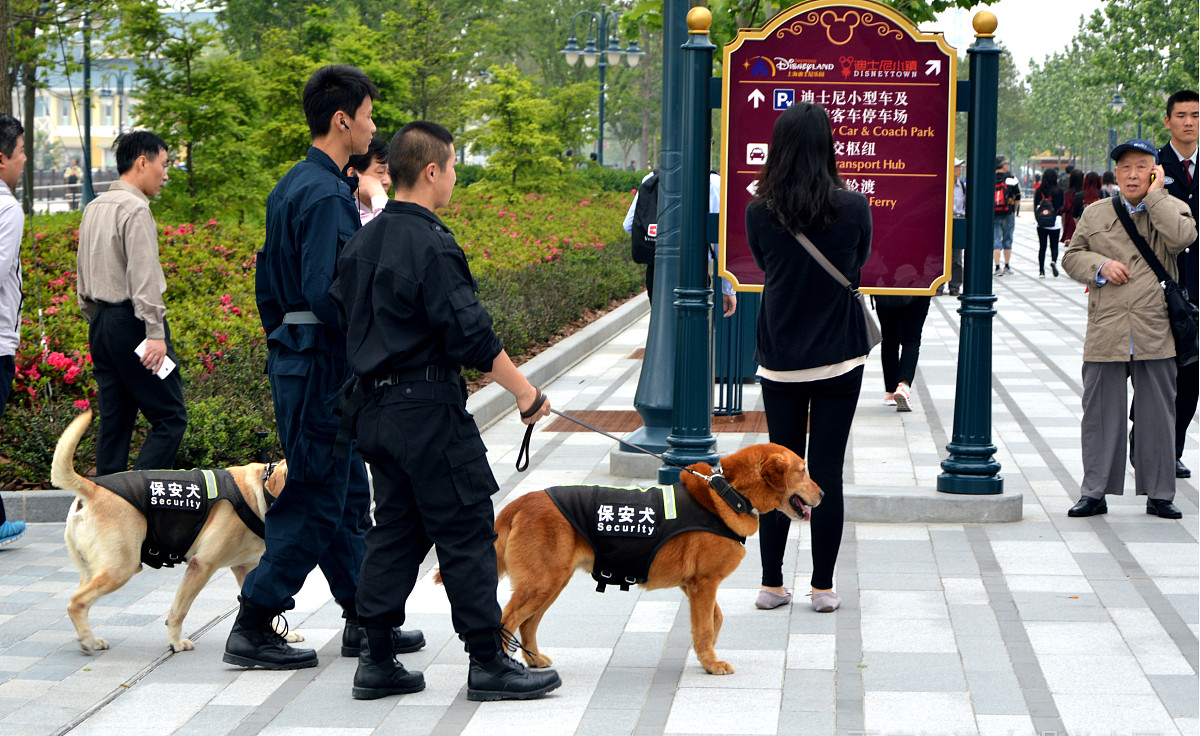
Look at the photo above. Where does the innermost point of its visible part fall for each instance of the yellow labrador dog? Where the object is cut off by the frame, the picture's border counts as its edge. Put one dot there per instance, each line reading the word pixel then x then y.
pixel 161 518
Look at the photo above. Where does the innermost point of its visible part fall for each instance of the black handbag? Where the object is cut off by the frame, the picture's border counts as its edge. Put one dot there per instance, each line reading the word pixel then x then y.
pixel 1182 314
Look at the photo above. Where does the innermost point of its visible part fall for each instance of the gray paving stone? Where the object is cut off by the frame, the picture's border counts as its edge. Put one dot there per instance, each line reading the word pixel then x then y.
pixel 1116 593
pixel 1188 606
pixel 898 581
pixel 1178 693
pixel 973 620
pixel 1058 607
pixel 912 671
pixel 995 692
pixel 412 720
pixel 214 720
pixel 622 688
pixel 806 723
pixel 808 690
pixel 608 721
pixel 638 650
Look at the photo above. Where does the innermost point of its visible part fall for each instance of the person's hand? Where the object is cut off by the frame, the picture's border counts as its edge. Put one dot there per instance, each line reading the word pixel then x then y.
pixel 156 352
pixel 526 401
pixel 730 303
pixel 1159 178
pixel 1115 272
pixel 369 187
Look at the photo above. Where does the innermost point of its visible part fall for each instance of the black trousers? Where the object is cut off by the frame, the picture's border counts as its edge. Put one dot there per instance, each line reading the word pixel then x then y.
pixel 433 488
pixel 1047 237
pixel 831 403
pixel 1185 404
pixel 901 346
pixel 318 517
pixel 126 387
pixel 8 369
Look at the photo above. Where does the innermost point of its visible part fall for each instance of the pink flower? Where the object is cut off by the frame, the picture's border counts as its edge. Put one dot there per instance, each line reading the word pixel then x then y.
pixel 82 404
pixel 71 373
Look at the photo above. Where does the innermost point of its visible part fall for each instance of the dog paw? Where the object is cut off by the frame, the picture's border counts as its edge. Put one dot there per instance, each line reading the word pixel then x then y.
pixel 718 668
pixel 293 637
pixel 184 645
pixel 539 660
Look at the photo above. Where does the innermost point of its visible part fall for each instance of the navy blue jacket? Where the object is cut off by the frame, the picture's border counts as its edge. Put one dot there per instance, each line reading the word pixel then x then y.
pixel 311 215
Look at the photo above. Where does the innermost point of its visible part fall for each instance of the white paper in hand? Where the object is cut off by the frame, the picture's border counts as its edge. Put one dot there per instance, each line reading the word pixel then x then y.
pixel 167 366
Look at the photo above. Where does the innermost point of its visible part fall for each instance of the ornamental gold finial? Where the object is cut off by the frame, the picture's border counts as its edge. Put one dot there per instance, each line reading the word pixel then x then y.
pixel 699 19
pixel 985 24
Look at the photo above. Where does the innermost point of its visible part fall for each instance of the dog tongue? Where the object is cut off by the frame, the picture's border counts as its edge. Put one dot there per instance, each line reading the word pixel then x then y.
pixel 797 504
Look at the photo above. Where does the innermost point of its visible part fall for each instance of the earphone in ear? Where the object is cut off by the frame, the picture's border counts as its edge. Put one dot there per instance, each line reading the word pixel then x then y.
pixel 343 122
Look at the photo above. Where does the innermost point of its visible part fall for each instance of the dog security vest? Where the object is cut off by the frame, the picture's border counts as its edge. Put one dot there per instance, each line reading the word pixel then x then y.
pixel 176 503
pixel 627 526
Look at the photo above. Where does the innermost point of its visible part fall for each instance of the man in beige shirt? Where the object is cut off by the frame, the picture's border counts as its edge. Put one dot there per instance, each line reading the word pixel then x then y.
pixel 121 289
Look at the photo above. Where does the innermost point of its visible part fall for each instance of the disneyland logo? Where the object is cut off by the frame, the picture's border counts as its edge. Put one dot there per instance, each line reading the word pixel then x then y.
pixel 785 65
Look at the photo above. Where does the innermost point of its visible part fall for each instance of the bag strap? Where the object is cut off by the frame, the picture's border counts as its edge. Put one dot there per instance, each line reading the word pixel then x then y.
pixel 1143 247
pixel 822 260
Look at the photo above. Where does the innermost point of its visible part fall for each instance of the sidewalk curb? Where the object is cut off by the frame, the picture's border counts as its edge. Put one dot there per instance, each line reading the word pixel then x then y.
pixel 491 402
pixel 488 404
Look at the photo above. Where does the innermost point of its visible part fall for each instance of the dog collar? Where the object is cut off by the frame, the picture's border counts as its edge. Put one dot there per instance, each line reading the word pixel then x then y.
pixel 726 491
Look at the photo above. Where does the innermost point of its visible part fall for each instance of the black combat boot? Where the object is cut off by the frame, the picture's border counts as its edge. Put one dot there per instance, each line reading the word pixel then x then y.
pixel 403 642
pixel 379 673
pixel 496 676
pixel 253 642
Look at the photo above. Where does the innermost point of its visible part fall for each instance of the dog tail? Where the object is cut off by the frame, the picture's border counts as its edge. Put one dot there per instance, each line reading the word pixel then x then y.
pixel 504 522
pixel 62 472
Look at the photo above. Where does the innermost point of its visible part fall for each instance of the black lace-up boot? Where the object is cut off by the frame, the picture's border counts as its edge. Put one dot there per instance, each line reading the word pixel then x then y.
pixel 494 675
pixel 253 642
pixel 379 673
pixel 403 642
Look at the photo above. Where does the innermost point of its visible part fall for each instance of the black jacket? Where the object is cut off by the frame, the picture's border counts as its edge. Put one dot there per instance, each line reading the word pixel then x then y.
pixel 807 319
pixel 406 298
pixel 1189 259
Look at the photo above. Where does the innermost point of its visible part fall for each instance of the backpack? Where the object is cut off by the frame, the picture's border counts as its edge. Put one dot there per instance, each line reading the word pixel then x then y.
pixel 1044 213
pixel 645 221
pixel 1003 205
pixel 1077 204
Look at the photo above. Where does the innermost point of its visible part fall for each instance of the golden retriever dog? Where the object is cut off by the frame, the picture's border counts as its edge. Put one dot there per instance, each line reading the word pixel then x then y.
pixel 105 535
pixel 539 548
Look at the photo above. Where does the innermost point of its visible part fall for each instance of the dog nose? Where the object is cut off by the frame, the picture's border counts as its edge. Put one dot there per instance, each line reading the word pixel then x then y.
pixel 821 495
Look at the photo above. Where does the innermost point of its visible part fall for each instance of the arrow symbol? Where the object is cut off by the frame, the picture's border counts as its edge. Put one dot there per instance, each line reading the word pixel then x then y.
pixel 753 188
pixel 933 66
pixel 756 97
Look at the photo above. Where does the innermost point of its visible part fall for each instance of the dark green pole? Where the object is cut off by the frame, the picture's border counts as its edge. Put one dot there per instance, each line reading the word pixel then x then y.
pixel 691 439
pixel 88 192
pixel 972 467
pixel 654 398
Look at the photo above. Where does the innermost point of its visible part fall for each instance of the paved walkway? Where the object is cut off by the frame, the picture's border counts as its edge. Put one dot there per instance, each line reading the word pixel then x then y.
pixel 1049 625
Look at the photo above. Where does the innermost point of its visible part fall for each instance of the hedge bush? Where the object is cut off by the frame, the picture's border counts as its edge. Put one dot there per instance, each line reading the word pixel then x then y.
pixel 541 261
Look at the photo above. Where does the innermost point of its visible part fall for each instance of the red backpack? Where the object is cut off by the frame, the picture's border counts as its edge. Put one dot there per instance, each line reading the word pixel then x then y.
pixel 1003 206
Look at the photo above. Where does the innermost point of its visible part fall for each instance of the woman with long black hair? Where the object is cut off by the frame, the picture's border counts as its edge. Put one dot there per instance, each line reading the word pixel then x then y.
pixel 1049 235
pixel 812 342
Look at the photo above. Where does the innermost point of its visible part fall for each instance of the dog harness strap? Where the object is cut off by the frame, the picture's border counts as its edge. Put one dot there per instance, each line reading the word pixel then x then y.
pixel 210 483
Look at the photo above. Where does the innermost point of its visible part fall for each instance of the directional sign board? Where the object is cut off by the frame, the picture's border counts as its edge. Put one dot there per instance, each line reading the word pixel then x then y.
pixel 889 91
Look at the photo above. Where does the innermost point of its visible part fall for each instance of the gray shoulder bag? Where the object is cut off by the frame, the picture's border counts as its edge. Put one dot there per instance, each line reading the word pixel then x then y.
pixel 874 336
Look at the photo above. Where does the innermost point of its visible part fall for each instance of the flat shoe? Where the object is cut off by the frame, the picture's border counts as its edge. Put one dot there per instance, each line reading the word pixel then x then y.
pixel 1164 509
pixel 769 599
pixel 826 602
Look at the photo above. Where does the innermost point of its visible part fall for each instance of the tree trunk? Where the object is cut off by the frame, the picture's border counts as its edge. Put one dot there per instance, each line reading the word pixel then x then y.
pixel 29 80
pixel 8 72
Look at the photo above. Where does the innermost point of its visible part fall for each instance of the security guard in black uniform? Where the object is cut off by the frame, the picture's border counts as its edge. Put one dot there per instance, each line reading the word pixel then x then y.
pixel 407 302
pixel 317 519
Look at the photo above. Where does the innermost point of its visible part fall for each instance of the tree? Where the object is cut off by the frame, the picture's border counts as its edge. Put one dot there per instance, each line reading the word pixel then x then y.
pixel 516 117
pixel 439 69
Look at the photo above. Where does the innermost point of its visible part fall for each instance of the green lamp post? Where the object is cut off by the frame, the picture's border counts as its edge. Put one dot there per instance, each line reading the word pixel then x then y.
pixel 971 467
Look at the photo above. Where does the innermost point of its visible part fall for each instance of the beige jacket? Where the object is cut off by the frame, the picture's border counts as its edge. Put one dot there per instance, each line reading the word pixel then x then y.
pixel 1128 321
pixel 118 257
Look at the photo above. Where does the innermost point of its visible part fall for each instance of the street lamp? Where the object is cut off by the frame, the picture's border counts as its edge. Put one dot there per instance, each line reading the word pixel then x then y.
pixel 602 28
pixel 1117 105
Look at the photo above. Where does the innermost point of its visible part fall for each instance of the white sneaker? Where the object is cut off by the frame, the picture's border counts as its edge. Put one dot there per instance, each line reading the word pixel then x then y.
pixel 889 399
pixel 903 398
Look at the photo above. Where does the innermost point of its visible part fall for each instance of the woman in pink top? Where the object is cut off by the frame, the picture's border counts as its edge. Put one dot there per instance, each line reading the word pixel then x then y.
pixel 373 180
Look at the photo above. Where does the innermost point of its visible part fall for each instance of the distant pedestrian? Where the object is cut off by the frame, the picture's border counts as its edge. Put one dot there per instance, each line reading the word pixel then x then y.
pixel 1048 202
pixel 120 286
pixel 12 224
pixel 1128 334
pixel 901 320
pixel 371 168
pixel 1072 206
pixel 1179 161
pixel 1092 191
pixel 812 341
pixel 72 176
pixel 1108 184
pixel 960 210
pixel 1007 201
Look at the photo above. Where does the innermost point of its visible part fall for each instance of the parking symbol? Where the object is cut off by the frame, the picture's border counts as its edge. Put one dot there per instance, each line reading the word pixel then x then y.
pixel 784 98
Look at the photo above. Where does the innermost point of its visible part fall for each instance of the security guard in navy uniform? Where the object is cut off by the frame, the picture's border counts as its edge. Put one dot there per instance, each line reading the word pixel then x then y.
pixel 316 521
pixel 407 302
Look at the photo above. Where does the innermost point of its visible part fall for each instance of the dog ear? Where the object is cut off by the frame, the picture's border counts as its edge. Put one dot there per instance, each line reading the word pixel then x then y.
pixel 774 471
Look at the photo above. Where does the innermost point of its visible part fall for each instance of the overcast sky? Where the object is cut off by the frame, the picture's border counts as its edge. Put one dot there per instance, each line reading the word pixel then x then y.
pixel 1028 28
